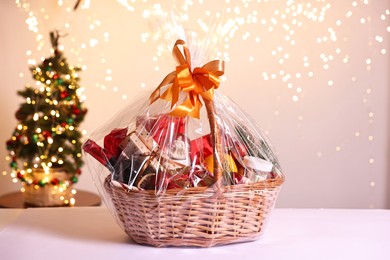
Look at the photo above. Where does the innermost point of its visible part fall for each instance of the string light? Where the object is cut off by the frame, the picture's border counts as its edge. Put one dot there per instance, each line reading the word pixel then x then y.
pixel 287 25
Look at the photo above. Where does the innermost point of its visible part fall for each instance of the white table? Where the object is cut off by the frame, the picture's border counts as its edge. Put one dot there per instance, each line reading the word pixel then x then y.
pixel 91 233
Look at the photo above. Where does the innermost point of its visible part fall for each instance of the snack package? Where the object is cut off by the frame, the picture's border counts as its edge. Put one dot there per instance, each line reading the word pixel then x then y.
pixel 185 166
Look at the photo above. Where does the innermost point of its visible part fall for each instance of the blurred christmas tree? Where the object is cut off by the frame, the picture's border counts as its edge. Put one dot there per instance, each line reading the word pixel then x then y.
pixel 46 137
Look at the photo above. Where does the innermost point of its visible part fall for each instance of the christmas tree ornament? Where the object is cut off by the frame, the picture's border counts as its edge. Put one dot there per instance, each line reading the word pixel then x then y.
pixel 45 156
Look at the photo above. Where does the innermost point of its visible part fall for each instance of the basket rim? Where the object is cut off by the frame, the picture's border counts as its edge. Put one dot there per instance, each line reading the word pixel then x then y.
pixel 261 185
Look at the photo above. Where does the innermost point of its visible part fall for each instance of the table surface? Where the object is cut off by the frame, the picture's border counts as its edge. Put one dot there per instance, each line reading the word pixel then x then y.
pixel 91 233
pixel 82 198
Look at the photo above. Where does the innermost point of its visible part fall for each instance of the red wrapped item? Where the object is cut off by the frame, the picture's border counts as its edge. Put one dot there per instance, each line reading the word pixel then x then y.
pixel 99 153
pixel 113 140
pixel 170 134
pixel 201 148
pixel 158 126
pixel 108 154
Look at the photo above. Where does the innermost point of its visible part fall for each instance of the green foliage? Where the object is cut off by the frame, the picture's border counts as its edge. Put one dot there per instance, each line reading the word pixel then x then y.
pixel 256 147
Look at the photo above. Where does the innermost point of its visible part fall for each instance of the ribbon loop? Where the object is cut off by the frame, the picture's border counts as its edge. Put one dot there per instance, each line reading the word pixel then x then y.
pixel 201 82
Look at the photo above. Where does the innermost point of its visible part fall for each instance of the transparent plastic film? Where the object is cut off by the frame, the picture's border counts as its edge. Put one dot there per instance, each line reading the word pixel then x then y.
pixel 183 165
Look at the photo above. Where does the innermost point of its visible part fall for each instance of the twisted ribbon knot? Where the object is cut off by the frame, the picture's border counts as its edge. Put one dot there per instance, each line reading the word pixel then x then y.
pixel 201 82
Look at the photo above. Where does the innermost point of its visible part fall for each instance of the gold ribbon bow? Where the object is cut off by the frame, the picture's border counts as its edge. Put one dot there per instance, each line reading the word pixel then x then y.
pixel 200 82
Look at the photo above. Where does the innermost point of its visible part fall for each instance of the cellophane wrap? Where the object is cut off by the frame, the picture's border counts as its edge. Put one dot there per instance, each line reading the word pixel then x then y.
pixel 183 165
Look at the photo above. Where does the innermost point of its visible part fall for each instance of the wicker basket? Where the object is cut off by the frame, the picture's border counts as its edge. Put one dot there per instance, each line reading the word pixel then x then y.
pixel 199 217
pixel 48 195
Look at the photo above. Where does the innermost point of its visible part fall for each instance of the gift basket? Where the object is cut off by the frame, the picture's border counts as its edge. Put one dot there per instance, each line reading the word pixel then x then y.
pixel 185 166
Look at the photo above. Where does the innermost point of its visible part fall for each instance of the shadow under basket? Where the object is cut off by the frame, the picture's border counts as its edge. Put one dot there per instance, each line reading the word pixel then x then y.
pixel 197 217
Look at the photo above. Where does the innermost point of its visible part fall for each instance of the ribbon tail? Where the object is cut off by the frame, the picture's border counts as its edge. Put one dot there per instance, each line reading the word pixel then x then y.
pixel 156 94
pixel 172 93
pixel 196 110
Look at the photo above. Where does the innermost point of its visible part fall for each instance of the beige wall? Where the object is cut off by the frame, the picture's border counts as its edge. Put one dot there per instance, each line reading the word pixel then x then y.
pixel 331 130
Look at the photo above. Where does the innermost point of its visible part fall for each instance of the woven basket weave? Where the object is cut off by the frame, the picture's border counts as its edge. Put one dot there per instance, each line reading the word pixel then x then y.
pixel 196 216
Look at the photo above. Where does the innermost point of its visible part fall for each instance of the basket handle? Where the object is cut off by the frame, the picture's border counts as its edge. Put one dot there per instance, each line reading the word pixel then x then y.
pixel 217 144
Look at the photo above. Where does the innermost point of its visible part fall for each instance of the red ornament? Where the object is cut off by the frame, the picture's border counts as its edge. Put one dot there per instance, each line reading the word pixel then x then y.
pixel 55 181
pixel 46 134
pixel 9 143
pixel 63 124
pixel 55 76
pixel 64 94
pixel 78 171
pixel 20 175
pixel 76 111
